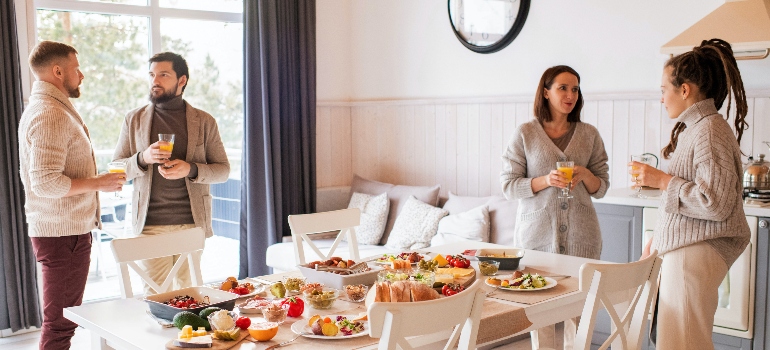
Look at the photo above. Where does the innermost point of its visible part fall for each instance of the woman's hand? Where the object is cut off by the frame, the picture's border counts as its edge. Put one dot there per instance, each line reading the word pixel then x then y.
pixel 648 176
pixel 556 179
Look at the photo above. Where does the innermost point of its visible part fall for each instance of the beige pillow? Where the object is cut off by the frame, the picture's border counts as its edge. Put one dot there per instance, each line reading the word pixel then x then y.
pixel 415 226
pixel 397 194
pixel 374 214
pixel 502 214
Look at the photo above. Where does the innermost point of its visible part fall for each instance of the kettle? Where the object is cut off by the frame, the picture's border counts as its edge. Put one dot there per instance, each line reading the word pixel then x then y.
pixel 756 175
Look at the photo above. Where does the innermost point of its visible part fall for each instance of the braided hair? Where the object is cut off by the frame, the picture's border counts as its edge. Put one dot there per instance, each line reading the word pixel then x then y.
pixel 713 69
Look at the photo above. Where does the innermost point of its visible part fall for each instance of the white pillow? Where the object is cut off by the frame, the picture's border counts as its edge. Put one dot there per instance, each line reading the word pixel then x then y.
pixel 472 225
pixel 374 216
pixel 415 225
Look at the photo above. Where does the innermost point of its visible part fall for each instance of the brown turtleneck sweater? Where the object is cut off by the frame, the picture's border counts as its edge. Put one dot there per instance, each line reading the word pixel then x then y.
pixel 169 199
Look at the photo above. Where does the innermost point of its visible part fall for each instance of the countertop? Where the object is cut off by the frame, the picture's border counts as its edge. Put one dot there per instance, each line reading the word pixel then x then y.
pixel 622 196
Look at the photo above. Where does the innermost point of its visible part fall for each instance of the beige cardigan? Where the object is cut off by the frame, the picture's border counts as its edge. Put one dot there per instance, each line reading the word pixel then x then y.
pixel 204 148
pixel 54 148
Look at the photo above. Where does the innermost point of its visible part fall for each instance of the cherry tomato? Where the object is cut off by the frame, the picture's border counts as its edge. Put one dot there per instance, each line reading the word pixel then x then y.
pixel 451 289
pixel 243 322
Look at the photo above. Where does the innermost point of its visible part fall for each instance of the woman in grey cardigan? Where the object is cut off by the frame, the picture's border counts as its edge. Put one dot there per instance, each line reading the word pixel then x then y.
pixel 546 222
pixel 703 228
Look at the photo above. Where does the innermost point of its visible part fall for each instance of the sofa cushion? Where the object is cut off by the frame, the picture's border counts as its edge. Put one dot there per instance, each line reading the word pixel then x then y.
pixel 415 226
pixel 398 195
pixel 374 215
pixel 502 214
pixel 280 256
pixel 472 225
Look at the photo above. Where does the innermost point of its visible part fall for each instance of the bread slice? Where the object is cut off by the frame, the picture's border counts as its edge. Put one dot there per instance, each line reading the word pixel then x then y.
pixel 421 292
pixel 382 292
pixel 400 292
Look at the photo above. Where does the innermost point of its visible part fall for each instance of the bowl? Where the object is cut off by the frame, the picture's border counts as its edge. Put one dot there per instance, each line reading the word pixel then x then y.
pixel 222 322
pixel 489 267
pixel 424 276
pixel 293 284
pixel 356 293
pixel 322 300
pixel 277 315
pixel 508 258
pixel 263 331
pixel 219 298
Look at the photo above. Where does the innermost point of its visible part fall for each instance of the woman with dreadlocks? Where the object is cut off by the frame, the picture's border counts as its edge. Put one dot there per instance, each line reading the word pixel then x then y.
pixel 702 229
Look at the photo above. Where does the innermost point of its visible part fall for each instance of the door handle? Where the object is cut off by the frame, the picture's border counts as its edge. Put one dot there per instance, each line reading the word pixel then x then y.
pixel 763 223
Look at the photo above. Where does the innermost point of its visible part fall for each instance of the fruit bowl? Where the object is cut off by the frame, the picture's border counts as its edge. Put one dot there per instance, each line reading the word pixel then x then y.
pixel 263 331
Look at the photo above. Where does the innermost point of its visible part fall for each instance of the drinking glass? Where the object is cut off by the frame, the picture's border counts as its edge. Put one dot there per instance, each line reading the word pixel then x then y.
pixel 642 158
pixel 166 144
pixel 566 168
pixel 116 167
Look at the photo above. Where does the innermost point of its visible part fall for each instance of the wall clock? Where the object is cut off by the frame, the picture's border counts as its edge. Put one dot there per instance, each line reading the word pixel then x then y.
pixel 487 26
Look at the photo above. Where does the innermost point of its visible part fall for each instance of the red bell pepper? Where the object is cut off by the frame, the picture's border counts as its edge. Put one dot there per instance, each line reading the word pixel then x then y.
pixel 296 306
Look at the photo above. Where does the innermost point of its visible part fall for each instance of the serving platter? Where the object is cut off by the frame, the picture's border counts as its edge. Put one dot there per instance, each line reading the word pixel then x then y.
pixel 259 287
pixel 550 283
pixel 301 327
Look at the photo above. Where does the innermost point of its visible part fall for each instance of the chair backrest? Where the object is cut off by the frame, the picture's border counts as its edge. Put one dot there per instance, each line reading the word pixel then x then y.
pixel 187 243
pixel 627 292
pixel 344 220
pixel 393 322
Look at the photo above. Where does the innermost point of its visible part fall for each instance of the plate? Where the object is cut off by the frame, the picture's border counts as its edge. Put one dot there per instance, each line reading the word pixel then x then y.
pixel 254 310
pixel 550 284
pixel 301 326
pixel 258 287
pixel 388 262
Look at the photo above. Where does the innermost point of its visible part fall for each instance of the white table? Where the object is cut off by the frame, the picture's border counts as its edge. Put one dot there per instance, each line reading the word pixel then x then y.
pixel 125 324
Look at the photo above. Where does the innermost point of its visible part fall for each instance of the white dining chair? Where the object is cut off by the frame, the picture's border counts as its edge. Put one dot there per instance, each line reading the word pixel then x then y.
pixel 627 292
pixel 304 225
pixel 187 243
pixel 393 322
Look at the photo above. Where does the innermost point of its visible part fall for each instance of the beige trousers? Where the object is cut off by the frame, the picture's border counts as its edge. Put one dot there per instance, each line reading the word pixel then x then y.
pixel 689 294
pixel 159 268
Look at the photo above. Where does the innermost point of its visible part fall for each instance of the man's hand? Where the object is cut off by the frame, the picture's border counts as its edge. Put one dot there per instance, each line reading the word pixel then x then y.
pixel 110 182
pixel 174 169
pixel 154 154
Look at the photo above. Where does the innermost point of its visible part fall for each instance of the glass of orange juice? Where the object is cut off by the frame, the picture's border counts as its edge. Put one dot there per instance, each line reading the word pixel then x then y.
pixel 566 168
pixel 643 158
pixel 116 167
pixel 166 143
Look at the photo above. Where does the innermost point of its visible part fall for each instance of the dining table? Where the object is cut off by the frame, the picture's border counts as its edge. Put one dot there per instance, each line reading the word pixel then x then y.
pixel 125 323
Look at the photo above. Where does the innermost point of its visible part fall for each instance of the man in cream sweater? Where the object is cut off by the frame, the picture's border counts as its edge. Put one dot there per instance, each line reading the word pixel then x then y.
pixel 58 171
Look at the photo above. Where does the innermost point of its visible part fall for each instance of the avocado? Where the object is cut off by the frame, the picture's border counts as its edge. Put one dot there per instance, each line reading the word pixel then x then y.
pixel 188 318
pixel 208 311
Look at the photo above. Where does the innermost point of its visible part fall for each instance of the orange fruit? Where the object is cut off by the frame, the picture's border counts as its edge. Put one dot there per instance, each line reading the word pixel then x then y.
pixel 263 331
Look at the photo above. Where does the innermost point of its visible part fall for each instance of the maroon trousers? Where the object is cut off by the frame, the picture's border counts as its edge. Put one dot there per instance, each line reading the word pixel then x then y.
pixel 65 263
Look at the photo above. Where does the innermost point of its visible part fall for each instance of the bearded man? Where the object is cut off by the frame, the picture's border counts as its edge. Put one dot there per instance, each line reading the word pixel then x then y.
pixel 171 179
pixel 58 171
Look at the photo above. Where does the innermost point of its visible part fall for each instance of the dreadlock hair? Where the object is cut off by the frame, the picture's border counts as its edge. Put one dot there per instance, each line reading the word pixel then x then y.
pixel 713 69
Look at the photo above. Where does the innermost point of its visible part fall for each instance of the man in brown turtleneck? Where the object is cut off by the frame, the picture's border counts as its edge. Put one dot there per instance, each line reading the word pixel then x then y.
pixel 171 189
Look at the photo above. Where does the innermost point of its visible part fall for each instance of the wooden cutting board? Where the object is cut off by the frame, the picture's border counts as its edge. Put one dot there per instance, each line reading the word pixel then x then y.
pixel 217 344
pixel 465 281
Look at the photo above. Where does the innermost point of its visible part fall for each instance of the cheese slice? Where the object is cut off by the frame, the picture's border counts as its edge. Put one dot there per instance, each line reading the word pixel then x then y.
pixel 456 272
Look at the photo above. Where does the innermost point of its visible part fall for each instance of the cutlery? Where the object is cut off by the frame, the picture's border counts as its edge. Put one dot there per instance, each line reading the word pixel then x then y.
pixel 163 323
pixel 558 276
pixel 286 342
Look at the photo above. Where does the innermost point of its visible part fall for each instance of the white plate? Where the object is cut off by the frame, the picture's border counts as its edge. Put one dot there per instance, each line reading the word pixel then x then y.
pixel 388 262
pixel 550 283
pixel 258 287
pixel 301 326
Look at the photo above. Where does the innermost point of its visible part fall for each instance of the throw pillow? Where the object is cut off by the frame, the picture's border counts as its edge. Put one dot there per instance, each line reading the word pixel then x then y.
pixel 398 196
pixel 502 214
pixel 472 225
pixel 374 214
pixel 415 226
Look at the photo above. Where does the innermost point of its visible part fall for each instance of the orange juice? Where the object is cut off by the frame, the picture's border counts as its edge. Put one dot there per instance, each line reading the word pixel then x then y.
pixel 567 172
pixel 166 146
pixel 634 175
pixel 117 170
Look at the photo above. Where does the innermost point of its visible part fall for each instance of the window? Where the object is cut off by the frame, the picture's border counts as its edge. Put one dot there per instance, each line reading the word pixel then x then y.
pixel 115 38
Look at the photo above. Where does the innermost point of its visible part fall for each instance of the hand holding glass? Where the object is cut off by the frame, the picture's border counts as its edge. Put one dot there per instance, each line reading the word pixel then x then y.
pixel 116 167
pixel 645 159
pixel 166 143
pixel 566 168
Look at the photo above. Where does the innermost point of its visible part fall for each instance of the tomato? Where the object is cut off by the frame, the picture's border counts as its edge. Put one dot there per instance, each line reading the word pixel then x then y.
pixel 243 322
pixel 460 262
pixel 451 289
pixel 296 306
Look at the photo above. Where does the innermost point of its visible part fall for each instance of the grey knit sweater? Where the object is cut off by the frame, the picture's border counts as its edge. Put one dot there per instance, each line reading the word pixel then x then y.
pixel 703 201
pixel 54 148
pixel 545 222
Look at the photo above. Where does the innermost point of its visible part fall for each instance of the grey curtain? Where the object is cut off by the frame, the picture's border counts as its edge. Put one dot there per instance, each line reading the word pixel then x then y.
pixel 278 166
pixel 19 306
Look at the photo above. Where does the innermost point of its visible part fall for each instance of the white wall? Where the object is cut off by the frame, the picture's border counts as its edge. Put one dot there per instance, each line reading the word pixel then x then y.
pixel 405 49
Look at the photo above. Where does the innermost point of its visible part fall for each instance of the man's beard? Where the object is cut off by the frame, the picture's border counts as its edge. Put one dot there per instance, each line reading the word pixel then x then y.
pixel 73 92
pixel 164 97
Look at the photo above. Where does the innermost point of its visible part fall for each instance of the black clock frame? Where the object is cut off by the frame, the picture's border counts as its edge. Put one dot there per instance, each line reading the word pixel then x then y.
pixel 521 17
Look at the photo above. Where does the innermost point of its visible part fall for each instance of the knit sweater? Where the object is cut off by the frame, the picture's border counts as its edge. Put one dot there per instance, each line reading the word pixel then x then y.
pixel 54 148
pixel 545 222
pixel 703 201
